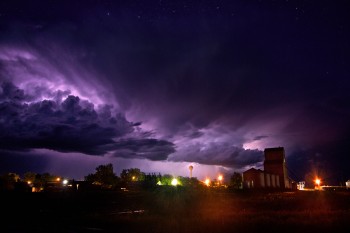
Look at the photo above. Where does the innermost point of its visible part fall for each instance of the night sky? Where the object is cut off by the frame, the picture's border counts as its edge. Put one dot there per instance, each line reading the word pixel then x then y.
pixel 161 85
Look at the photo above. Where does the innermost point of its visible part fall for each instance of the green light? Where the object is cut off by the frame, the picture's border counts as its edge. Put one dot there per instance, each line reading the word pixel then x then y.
pixel 174 182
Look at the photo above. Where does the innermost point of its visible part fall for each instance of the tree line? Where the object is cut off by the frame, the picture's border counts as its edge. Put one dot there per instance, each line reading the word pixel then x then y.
pixel 105 177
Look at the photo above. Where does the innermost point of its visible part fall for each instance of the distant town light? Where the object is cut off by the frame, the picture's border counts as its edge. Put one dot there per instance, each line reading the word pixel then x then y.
pixel 133 178
pixel 58 179
pixel 174 182
pixel 65 182
pixel 220 177
pixel 318 184
pixel 301 185
pixel 318 181
pixel 207 182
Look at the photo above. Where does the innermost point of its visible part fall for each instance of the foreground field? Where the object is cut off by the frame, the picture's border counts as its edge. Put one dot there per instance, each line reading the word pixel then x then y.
pixel 176 210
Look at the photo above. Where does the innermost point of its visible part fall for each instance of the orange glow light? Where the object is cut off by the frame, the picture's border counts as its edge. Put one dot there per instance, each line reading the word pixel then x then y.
pixel 318 181
pixel 207 182
pixel 220 178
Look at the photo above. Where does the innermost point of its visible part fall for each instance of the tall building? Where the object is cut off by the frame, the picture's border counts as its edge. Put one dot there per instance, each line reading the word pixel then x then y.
pixel 275 163
pixel 274 174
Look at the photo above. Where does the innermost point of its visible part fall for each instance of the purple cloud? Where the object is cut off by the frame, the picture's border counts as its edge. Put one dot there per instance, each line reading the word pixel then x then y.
pixel 70 125
pixel 219 85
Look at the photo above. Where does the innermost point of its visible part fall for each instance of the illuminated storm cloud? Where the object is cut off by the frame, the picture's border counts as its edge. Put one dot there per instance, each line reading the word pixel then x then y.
pixel 47 71
pixel 220 81
pixel 67 124
pixel 58 109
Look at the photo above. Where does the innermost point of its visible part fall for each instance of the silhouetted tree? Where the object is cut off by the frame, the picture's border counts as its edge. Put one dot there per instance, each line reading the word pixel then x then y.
pixel 7 181
pixel 47 177
pixel 132 174
pixel 104 175
pixel 186 181
pixel 236 180
pixel 41 180
pixel 29 176
pixel 150 180
pixel 166 179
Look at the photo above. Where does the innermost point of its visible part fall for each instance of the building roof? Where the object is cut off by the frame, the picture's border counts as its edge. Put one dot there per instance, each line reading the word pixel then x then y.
pixel 274 154
pixel 253 170
pixel 274 149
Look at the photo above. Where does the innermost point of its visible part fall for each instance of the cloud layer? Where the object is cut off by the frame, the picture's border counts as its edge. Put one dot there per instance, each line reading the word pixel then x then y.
pixel 213 83
pixel 69 124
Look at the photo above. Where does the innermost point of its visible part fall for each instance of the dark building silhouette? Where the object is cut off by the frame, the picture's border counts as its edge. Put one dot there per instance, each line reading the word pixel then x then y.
pixel 254 178
pixel 274 174
pixel 275 163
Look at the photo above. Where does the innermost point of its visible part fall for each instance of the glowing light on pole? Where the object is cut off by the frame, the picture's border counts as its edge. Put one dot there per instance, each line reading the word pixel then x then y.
pixel 318 183
pixel 220 178
pixel 174 182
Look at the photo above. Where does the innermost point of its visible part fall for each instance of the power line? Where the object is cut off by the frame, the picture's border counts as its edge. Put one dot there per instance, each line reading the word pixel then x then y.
pixel 291 172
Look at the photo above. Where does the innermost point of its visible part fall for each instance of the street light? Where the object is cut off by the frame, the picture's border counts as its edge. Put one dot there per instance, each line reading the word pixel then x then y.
pixel 318 183
pixel 207 182
pixel 220 177
pixel 174 182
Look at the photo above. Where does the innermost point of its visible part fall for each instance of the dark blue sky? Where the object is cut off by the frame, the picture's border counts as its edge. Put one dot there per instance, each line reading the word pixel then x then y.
pixel 164 84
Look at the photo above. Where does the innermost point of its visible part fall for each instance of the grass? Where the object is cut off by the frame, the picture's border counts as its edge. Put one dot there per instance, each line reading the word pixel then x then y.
pixel 178 210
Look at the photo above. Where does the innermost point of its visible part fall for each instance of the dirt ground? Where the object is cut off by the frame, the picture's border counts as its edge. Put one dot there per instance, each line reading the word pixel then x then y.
pixel 175 209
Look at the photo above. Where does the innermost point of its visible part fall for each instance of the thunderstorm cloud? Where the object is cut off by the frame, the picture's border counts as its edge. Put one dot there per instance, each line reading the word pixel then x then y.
pixel 213 83
pixel 69 124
